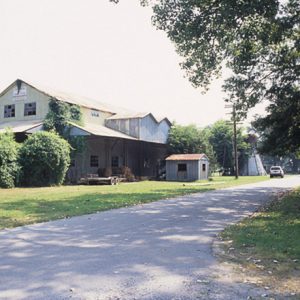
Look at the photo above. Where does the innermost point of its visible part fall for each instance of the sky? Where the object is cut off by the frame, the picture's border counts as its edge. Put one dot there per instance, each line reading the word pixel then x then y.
pixel 110 53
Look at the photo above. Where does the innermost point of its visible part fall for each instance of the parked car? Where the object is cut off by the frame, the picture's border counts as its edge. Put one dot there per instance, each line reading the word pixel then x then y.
pixel 276 171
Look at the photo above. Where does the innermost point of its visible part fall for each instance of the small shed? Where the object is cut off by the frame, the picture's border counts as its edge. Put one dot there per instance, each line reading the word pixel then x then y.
pixel 187 167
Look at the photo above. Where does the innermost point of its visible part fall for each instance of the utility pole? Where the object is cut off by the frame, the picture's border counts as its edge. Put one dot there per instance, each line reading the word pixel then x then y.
pixel 236 161
pixel 234 123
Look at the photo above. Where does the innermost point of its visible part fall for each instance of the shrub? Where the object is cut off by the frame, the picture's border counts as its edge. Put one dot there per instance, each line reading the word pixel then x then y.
pixel 45 158
pixel 9 167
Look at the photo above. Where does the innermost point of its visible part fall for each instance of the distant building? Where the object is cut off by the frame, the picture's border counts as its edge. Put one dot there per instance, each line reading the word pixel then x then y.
pixel 115 137
pixel 187 167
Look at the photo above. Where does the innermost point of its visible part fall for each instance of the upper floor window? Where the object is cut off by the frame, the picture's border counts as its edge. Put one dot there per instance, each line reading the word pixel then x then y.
pixel 95 113
pixel 30 109
pixel 9 111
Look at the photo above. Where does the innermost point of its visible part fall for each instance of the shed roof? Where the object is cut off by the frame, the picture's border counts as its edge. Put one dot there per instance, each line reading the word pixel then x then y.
pixel 186 156
pixel 20 126
pixel 100 130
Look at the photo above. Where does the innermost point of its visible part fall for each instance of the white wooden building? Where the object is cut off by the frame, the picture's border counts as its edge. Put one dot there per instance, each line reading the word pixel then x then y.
pixel 115 137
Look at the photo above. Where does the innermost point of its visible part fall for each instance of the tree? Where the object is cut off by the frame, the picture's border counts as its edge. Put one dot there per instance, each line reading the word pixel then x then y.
pixel 45 158
pixel 190 139
pixel 9 167
pixel 221 139
pixel 258 40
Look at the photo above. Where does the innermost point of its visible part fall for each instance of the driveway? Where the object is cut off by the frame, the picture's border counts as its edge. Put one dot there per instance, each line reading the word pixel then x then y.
pixel 160 250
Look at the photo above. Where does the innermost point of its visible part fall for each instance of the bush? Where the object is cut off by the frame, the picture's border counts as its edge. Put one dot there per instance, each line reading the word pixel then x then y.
pixel 9 167
pixel 45 158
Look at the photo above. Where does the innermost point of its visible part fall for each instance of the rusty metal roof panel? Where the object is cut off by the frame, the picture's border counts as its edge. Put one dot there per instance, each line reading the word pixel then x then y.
pixel 186 156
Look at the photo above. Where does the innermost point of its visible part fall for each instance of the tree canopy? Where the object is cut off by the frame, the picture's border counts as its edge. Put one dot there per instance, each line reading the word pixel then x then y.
pixel 259 40
pixel 220 136
pixel 190 139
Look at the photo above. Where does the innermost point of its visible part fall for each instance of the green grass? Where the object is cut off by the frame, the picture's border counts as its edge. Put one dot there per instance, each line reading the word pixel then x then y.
pixel 268 243
pixel 273 233
pixel 22 206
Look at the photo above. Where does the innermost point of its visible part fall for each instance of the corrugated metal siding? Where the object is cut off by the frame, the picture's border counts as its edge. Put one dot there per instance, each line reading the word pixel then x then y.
pixel 152 131
pixel 127 126
pixel 145 129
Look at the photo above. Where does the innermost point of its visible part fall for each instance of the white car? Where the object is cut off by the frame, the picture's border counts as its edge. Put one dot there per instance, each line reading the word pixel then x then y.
pixel 276 171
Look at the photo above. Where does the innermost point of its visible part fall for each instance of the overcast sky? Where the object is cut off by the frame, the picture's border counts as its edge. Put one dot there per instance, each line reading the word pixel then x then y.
pixel 108 52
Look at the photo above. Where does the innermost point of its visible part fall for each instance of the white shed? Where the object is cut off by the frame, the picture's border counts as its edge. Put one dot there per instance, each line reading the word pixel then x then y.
pixel 187 167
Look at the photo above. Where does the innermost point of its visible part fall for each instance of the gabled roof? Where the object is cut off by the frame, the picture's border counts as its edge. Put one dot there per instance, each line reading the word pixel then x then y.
pixel 69 98
pixel 134 115
pixel 117 112
pixel 187 157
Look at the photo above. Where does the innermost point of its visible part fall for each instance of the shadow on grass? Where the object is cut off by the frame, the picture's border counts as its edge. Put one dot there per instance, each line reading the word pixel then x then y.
pixel 36 209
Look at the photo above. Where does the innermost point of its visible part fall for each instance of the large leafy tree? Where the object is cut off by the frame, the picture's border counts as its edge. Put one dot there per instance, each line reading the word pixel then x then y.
pixel 221 139
pixel 259 40
pixel 190 139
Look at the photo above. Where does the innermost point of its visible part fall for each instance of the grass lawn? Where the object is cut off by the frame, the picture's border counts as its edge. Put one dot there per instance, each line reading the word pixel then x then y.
pixel 268 243
pixel 22 206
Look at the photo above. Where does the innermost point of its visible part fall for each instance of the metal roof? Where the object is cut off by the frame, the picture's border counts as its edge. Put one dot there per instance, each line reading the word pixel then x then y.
pixel 135 115
pixel 100 130
pixel 186 156
pixel 20 126
pixel 117 112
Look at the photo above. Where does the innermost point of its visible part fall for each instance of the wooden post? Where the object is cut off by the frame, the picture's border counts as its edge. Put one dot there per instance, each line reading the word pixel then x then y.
pixel 236 161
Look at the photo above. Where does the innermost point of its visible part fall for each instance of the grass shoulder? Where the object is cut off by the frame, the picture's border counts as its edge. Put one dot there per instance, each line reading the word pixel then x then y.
pixel 267 245
pixel 21 206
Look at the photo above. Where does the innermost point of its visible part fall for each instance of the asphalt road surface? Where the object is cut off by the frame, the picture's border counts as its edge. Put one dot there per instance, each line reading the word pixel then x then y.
pixel 160 250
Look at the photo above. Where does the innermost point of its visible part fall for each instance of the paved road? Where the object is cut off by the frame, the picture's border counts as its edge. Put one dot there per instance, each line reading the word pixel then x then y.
pixel 160 250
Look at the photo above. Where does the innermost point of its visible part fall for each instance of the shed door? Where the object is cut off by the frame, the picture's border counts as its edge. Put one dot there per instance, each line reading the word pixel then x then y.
pixel 182 171
pixel 204 171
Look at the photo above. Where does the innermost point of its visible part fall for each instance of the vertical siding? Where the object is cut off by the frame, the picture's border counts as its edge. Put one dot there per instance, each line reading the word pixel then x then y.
pixel 144 129
pixel 204 175
pixel 127 126
pixel 192 169
pixel 132 154
pixel 152 131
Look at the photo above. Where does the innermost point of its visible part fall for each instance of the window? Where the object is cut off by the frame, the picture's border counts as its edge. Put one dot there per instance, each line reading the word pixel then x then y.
pixel 95 113
pixel 94 161
pixel 9 111
pixel 182 168
pixel 203 167
pixel 115 161
pixel 30 109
